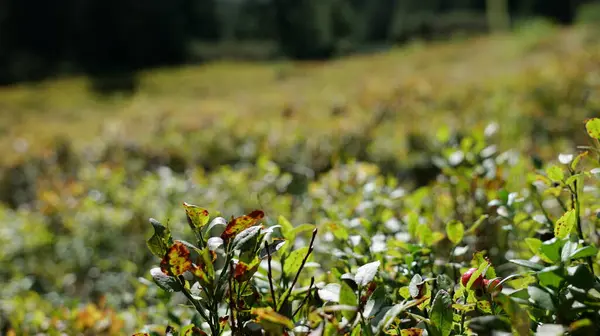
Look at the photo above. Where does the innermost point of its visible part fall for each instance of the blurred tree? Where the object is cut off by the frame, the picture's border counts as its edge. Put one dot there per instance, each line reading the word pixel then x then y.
pixel 498 15
pixel 40 38
pixel 305 28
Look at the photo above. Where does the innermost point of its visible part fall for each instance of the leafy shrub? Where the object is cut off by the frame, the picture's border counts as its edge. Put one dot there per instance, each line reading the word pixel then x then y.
pixel 430 271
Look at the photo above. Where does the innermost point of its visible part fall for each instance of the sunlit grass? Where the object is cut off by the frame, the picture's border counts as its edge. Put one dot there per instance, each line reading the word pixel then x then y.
pixel 413 80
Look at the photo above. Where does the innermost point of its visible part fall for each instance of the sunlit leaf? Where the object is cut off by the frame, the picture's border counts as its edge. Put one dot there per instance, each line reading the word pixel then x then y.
pixel 339 231
pixel 239 224
pixel 269 315
pixel 527 263
pixel 245 236
pixel 166 282
pixel 177 260
pixel 331 292
pixel 243 272
pixel 584 252
pixel 160 240
pixel 441 315
pixel 593 128
pixel 348 298
pixel 477 224
pixel 294 261
pixel 565 224
pixel 274 247
pixel 197 217
pixel 366 273
pixel 555 173
pixel 455 231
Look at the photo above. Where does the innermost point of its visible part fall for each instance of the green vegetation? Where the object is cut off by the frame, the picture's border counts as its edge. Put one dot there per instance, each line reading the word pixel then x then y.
pixel 446 188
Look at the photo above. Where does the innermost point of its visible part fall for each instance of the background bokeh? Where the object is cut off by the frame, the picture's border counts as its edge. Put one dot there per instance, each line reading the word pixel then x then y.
pixel 112 112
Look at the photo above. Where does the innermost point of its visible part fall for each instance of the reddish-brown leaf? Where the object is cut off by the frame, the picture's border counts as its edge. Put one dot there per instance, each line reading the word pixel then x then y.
pixel 177 260
pixel 239 224
pixel 243 272
pixel 412 332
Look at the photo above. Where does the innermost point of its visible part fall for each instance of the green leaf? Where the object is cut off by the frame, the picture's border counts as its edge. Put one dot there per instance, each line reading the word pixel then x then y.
pixel 338 230
pixel 577 159
pixel 584 252
pixel 389 316
pixel 527 263
pixel 581 277
pixel 414 285
pixel 477 224
pixel 518 316
pixel 161 239
pixel 573 178
pixel 366 273
pixel 441 313
pixel 294 261
pixel 555 173
pixel 551 249
pixel 348 297
pixel 483 325
pixel 273 247
pixel 551 277
pixel 541 298
pixel 286 228
pixel 565 224
pixel 568 250
pixel 478 257
pixel 535 246
pixel 413 224
pixel 455 231
pixel 197 217
pixel 480 271
pixel 167 283
pixel 245 236
pixel 592 127
pixel 302 228
pixel 445 282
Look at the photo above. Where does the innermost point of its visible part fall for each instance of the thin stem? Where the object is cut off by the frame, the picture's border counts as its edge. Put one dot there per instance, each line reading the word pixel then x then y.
pixel 578 220
pixel 231 304
pixel 310 249
pixel 312 282
pixel 194 302
pixel 270 275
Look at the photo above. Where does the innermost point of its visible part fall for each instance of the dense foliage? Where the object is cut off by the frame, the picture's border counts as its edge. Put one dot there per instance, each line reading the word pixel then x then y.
pixel 438 208
pixel 40 39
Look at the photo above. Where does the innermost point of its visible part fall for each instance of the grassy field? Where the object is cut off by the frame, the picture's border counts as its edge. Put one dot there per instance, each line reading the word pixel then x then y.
pixel 411 167
pixel 420 82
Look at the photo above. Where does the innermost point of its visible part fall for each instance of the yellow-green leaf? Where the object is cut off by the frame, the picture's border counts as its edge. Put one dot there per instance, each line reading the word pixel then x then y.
pixel 294 261
pixel 555 173
pixel 197 217
pixel 593 127
pixel 270 315
pixel 455 231
pixel 564 225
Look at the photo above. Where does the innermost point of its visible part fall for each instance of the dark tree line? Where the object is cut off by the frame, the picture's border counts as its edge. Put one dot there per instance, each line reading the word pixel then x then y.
pixel 40 38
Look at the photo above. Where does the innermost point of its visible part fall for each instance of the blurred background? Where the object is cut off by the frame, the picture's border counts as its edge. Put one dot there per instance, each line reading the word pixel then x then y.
pixel 112 112
pixel 40 40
